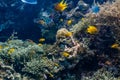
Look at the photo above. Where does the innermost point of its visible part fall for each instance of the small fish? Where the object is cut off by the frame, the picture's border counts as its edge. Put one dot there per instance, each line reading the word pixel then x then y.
pixel 68 34
pixel 42 22
pixel 56 64
pixel 69 22
pixel 41 39
pixel 29 1
pixel 61 6
pixel 92 30
pixel 115 45
pixel 11 50
pixel 40 44
pixel 66 54
pixel 108 63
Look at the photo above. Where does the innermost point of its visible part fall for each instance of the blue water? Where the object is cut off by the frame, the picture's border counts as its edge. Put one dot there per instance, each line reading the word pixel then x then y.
pixel 32 20
pixel 21 15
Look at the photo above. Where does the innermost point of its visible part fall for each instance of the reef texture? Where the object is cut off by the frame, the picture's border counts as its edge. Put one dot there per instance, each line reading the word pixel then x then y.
pixel 77 54
pixel 109 15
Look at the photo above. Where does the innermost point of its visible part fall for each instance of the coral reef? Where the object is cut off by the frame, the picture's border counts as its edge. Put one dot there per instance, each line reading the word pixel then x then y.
pixel 101 43
pixel 17 53
pixel 87 51
pixel 8 73
pixel 109 15
pixel 101 75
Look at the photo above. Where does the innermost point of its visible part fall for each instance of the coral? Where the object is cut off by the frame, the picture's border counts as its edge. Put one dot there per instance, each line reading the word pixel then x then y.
pixel 41 39
pixel 49 35
pixel 100 45
pixel 62 33
pixel 101 75
pixel 17 52
pixel 79 28
pixel 106 21
pixel 76 52
pixel 8 72
pixel 20 48
pixel 66 50
pixel 11 50
pixel 109 15
pixel 28 57
pixel 41 67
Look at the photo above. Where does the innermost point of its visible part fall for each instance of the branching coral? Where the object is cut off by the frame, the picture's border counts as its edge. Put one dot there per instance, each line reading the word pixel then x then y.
pixel 41 67
pixel 92 36
pixel 75 46
pixel 63 33
pixel 17 52
pixel 8 72
pixel 109 15
pixel 107 21
pixel 101 75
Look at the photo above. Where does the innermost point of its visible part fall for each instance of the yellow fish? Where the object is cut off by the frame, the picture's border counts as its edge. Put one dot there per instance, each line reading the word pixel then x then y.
pixel 68 34
pixel 66 54
pixel 115 46
pixel 39 44
pixel 61 6
pixel 41 39
pixel 69 22
pixel 92 30
pixel 11 50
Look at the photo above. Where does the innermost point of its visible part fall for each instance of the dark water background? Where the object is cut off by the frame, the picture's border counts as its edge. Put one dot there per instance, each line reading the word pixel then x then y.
pixel 22 16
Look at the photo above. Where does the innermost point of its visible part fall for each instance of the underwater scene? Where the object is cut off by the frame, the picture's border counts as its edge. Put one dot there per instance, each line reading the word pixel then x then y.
pixel 59 39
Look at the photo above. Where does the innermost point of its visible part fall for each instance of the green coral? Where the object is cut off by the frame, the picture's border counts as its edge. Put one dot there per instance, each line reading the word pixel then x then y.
pixel 40 67
pixel 101 74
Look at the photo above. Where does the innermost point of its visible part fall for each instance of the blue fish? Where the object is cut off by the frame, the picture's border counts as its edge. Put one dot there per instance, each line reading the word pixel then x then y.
pixel 29 1
pixel 95 8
